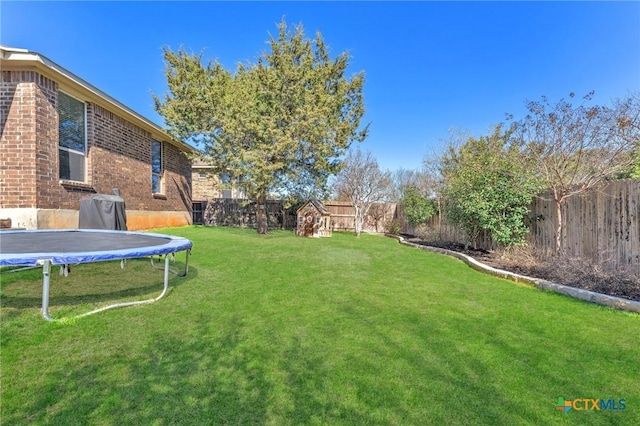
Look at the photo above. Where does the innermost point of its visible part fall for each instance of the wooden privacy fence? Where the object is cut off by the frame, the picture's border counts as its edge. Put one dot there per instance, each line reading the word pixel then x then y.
pixel 601 225
pixel 343 216
pixel 242 212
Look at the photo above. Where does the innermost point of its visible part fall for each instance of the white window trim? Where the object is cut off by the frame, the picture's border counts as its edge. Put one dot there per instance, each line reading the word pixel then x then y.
pixel 84 152
pixel 161 173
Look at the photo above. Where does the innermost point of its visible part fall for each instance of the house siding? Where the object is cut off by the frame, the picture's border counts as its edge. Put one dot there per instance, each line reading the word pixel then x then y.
pixel 206 187
pixel 119 156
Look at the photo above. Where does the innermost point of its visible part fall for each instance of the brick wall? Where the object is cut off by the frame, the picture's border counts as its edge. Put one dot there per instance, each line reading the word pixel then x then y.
pixel 120 157
pixel 177 178
pixel 119 154
pixel 18 106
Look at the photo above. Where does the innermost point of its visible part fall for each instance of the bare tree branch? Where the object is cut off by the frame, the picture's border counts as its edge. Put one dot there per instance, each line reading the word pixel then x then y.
pixel 362 183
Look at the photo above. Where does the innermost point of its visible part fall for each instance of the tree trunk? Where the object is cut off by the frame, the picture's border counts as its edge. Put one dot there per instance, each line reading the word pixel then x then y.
pixel 357 221
pixel 439 219
pixel 261 213
pixel 558 234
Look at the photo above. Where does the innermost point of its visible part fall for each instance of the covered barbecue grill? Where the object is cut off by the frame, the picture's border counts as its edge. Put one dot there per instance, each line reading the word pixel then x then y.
pixel 103 211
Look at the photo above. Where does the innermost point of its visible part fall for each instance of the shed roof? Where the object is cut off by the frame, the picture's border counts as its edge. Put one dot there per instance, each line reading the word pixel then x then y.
pixel 318 205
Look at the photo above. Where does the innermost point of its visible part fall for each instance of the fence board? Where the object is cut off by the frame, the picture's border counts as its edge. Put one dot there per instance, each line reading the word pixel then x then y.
pixel 343 216
pixel 242 213
pixel 601 225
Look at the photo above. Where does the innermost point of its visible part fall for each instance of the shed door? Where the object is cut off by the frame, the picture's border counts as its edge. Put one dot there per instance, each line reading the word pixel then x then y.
pixel 308 224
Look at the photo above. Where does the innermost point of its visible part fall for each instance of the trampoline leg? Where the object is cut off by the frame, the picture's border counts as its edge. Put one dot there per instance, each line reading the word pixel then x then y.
pixel 166 278
pixel 46 280
pixel 186 264
pixel 46 269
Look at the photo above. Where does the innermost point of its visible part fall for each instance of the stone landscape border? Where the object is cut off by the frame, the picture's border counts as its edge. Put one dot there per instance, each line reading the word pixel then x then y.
pixel 577 293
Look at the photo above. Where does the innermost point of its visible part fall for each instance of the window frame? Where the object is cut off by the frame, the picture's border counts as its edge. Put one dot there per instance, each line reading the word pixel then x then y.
pixel 226 181
pixel 84 152
pixel 159 174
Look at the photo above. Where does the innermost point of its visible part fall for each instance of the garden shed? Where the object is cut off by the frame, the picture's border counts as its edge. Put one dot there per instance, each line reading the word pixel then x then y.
pixel 314 220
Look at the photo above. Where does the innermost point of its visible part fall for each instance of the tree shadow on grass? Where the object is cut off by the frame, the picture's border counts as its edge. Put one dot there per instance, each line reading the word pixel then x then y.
pixel 509 373
pixel 445 382
pixel 212 373
pixel 314 392
pixel 178 381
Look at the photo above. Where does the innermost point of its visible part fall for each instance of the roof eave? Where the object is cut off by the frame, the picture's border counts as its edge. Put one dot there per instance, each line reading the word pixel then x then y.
pixel 12 58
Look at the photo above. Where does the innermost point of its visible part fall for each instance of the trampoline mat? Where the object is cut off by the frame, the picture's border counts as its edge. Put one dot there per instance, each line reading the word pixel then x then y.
pixel 75 242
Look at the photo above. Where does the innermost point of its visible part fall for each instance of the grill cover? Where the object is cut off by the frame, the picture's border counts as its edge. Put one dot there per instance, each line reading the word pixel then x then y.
pixel 102 211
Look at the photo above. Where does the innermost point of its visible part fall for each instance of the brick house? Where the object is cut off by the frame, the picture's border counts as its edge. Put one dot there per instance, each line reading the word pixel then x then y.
pixel 63 140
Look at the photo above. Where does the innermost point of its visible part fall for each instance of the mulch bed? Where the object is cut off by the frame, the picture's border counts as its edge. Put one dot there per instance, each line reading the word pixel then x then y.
pixel 569 272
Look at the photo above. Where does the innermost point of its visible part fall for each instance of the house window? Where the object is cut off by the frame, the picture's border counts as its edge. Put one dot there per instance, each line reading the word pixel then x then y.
pixel 72 141
pixel 156 167
pixel 225 179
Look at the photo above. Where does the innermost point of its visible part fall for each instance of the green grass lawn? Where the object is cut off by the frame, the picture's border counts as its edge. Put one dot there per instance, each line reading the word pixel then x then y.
pixel 282 330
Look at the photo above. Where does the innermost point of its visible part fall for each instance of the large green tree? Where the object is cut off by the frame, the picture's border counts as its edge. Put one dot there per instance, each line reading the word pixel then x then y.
pixel 279 124
pixel 487 190
pixel 418 208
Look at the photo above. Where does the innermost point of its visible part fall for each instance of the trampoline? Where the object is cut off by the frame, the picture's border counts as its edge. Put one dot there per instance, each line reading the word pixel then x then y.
pixel 73 246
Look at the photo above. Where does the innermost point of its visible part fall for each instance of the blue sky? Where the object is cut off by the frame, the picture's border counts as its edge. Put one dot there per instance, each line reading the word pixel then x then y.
pixel 429 66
